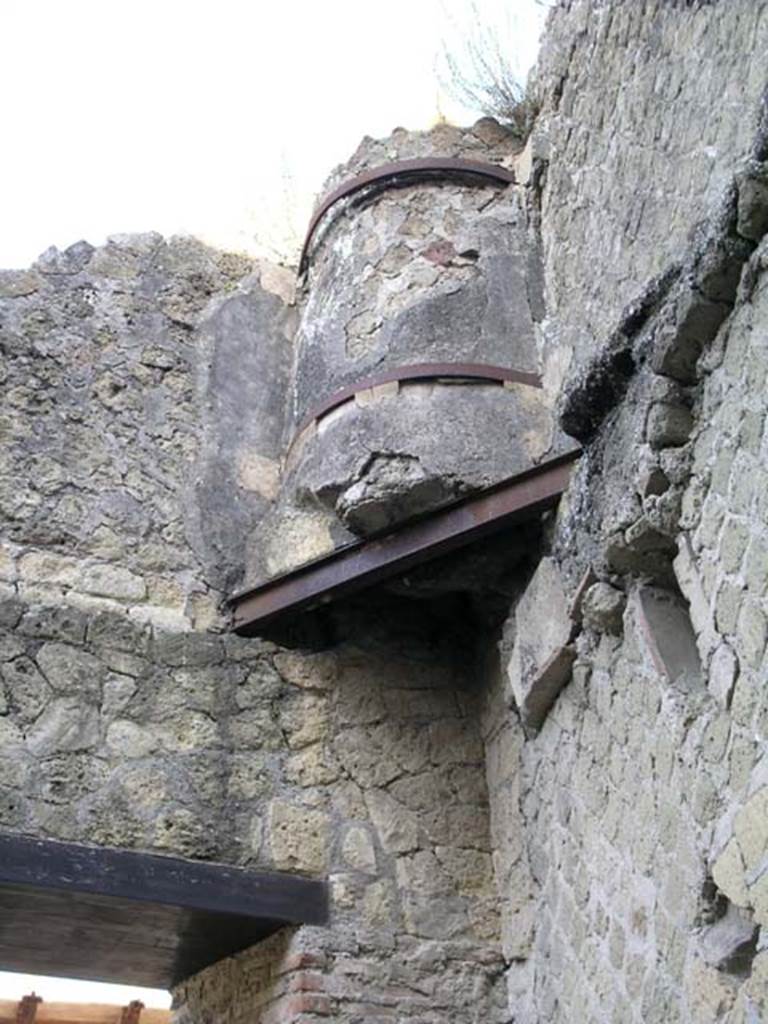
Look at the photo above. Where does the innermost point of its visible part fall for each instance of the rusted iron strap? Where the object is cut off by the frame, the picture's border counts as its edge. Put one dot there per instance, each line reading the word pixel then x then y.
pixel 358 566
pixel 421 371
pixel 393 174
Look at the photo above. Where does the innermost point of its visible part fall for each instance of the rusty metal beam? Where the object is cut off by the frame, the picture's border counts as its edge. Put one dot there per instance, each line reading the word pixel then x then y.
pixel 404 172
pixel 358 566
pixel 421 371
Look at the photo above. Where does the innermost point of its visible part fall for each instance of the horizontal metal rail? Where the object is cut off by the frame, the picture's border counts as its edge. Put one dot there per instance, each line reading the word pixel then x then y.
pixel 358 566
pixel 403 172
pixel 421 371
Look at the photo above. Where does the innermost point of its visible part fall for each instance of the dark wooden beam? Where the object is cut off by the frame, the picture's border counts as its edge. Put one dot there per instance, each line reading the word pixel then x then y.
pixel 112 915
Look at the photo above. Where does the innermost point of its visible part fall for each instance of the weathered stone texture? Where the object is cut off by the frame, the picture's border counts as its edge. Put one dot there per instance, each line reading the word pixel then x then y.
pixel 442 271
pixel 111 413
pixel 639 868
pixel 647 109
pixel 295 978
pixel 574 827
pixel 364 770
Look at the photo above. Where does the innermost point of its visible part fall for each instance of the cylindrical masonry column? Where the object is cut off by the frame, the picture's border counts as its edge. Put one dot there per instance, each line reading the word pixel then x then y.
pixel 425 273
pixel 416 375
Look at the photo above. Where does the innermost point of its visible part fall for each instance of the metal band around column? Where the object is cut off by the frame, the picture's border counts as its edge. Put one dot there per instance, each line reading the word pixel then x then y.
pixel 401 172
pixel 421 371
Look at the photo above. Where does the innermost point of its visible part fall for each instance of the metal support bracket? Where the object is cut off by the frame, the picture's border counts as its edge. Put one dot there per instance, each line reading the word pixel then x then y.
pixel 358 566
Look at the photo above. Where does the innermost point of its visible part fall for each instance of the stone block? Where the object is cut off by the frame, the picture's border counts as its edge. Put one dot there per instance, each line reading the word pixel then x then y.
pixel 644 537
pixel 723 672
pixel 16 283
pixel 733 544
pixel 127 739
pixel 112 581
pixel 11 608
pixel 66 725
pixel 666 628
pixel 294 538
pixel 27 689
pixel 668 425
pixel 259 474
pixel 70 670
pixel 710 994
pixel 541 660
pixel 312 766
pixel 117 692
pixel 7 563
pixel 577 601
pixel 752 207
pixel 397 826
pixel 752 632
pixel 751 830
pixel 391 489
pixel 727 604
pixel 689 581
pixel 678 345
pixel 358 851
pixel 652 482
pixel 542 619
pixel 303 721
pixel 299 838
pixel 309 671
pixel 10 647
pixel 379 904
pixel 603 608
pixel 535 698
pixel 48 567
pixel 728 874
pixel 114 631
pixel 756 567
pixel 54 622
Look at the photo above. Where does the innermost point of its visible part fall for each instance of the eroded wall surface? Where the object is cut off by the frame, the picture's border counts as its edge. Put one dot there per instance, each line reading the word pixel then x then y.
pixel 115 398
pixel 646 108
pixel 567 821
pixel 144 388
pixel 637 891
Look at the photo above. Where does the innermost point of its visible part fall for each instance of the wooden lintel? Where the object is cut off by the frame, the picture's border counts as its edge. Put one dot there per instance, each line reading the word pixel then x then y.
pixel 113 915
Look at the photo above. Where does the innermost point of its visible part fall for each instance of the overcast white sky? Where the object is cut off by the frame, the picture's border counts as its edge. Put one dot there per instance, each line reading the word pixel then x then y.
pixel 219 118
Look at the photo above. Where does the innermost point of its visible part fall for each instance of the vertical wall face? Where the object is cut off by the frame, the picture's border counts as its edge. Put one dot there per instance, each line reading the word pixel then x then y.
pixel 647 107
pixel 124 367
pixel 637 891
pixel 122 722
pixel 384 793
pixel 642 798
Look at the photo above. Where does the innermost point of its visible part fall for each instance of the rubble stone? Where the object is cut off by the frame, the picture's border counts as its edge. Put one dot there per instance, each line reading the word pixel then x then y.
pixel 604 608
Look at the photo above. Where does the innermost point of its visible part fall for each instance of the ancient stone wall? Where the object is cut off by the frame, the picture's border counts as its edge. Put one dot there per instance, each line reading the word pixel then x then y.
pixel 443 270
pixel 360 768
pixel 637 890
pixel 564 821
pixel 115 397
pixel 146 384
pixel 646 108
